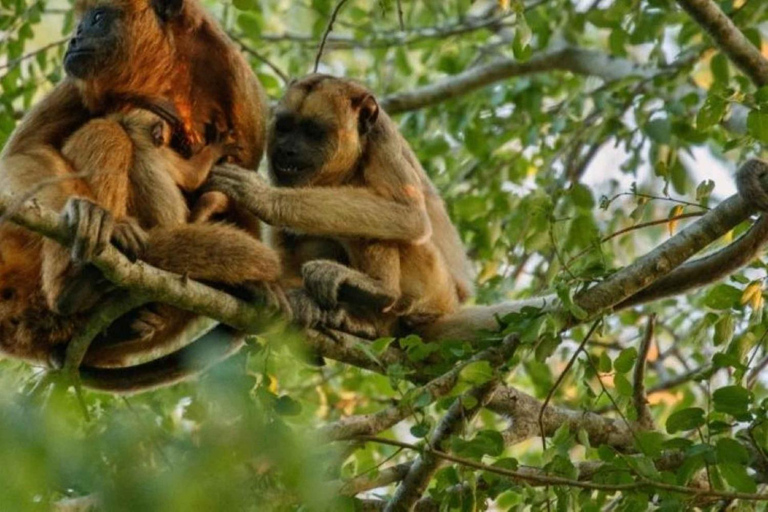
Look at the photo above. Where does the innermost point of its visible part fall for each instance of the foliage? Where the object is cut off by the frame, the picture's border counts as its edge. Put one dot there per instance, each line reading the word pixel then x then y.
pixel 539 172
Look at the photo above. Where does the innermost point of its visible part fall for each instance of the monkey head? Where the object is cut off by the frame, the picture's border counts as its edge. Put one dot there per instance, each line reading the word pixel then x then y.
pixel 107 36
pixel 319 130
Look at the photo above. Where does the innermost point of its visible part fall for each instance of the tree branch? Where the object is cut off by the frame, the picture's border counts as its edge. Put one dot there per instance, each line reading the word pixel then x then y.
pixel 729 38
pixel 640 399
pixel 532 478
pixel 371 424
pixel 155 284
pixel 426 465
pixel 575 60
pixel 619 290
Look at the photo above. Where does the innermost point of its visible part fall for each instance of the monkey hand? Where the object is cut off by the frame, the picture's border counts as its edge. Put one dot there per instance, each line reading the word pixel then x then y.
pixel 130 238
pixel 92 228
pixel 270 296
pixel 244 186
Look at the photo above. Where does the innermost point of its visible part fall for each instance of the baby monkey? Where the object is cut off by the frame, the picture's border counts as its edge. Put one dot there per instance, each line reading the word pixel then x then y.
pixel 160 175
pixel 358 222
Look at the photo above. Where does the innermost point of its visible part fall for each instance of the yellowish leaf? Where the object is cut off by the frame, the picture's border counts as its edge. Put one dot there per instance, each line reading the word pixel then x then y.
pixel 673 213
pixel 490 269
pixel 272 384
pixel 504 4
pixel 755 288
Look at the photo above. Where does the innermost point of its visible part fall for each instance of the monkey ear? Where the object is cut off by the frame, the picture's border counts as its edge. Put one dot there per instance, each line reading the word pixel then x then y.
pixel 368 112
pixel 167 9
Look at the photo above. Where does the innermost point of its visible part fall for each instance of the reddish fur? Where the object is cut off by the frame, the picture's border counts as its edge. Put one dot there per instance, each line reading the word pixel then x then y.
pixel 190 62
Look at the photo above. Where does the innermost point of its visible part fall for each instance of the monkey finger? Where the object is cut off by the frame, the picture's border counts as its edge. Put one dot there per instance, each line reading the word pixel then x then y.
pixel 81 246
pixel 105 227
pixel 130 238
pixel 222 184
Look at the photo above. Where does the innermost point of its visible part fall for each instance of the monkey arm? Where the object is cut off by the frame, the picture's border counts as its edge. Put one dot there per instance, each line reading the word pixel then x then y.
pixel 353 212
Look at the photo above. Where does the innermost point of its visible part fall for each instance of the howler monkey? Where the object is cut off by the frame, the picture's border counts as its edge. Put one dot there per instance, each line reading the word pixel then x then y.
pixel 359 223
pixel 165 55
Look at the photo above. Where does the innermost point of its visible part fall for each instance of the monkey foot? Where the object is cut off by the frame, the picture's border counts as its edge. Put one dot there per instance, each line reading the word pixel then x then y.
pixel 308 314
pixel 331 283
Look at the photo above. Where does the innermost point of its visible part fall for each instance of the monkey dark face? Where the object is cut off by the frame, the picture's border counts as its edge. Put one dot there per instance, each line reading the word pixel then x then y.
pixel 318 132
pixel 95 42
pixel 105 38
pixel 298 148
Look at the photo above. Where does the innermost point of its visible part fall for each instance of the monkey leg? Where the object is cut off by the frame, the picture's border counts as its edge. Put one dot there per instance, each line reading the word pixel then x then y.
pixel 331 283
pixel 100 152
pixel 216 253
pixel 220 254
pixel 208 206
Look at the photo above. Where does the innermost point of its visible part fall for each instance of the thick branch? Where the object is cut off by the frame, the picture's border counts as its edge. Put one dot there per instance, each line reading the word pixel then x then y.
pixel 509 402
pixel 424 468
pixel 729 38
pixel 371 424
pixel 154 284
pixel 708 269
pixel 575 60
pixel 619 289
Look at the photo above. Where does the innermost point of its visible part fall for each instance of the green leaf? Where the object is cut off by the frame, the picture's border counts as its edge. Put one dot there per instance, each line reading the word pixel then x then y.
pixel 604 363
pixel 582 196
pixel 722 296
pixel 721 70
pixel 626 360
pixel 287 406
pixel 757 125
pixel 710 113
pixel 420 430
pixel 732 451
pixel 650 443
pixel 659 130
pixel 476 373
pixel 622 385
pixel 724 329
pixel 685 419
pixel 733 400
pixel 736 475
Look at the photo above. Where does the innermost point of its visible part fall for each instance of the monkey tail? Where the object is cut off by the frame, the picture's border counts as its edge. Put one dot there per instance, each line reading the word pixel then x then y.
pixel 471 321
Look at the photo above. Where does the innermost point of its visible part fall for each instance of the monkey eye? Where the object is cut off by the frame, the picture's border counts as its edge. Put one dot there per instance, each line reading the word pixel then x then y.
pixel 7 293
pixel 283 124
pixel 98 16
pixel 313 130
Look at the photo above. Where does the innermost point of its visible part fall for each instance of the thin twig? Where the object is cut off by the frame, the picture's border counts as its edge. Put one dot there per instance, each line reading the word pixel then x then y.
pixel 644 418
pixel 327 32
pixel 400 14
pixel 425 466
pixel 644 483
pixel 560 381
pixel 260 57
pixel 635 227
pixel 30 55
